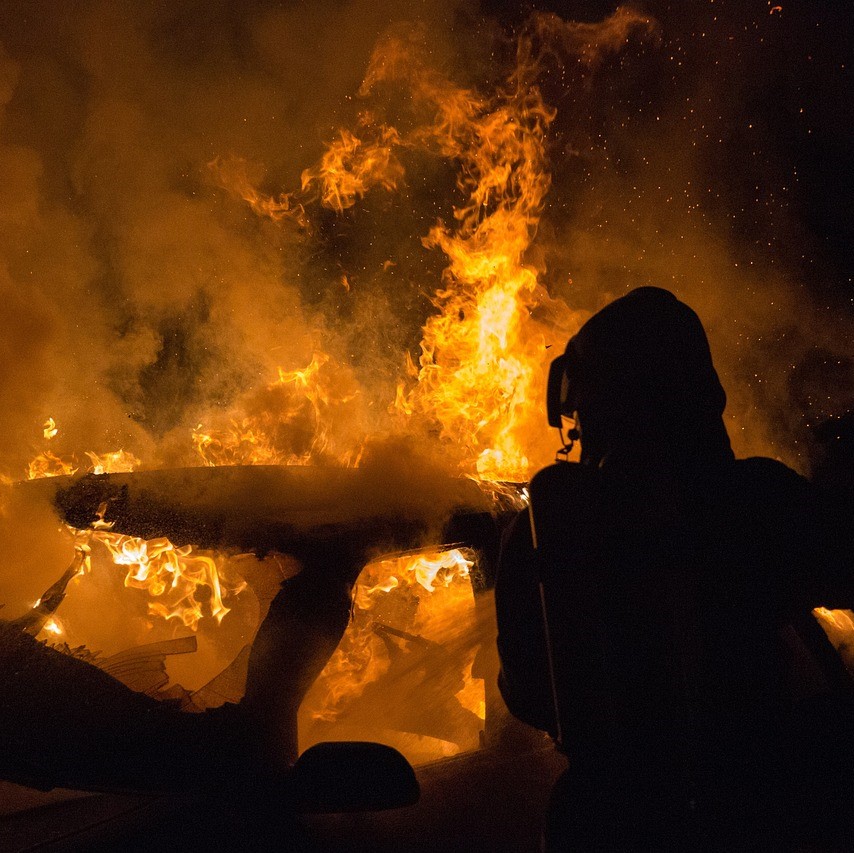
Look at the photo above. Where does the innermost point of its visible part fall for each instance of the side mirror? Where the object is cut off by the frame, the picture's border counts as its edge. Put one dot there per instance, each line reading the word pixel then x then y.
pixel 352 777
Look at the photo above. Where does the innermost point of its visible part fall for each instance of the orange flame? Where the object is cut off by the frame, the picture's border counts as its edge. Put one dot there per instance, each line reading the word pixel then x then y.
pixel 484 351
pixel 117 462
pixel 414 596
pixel 839 627
pixel 351 166
pixel 290 422
pixel 232 173
pixel 173 576
pixel 48 464
pixel 482 354
pixel 53 626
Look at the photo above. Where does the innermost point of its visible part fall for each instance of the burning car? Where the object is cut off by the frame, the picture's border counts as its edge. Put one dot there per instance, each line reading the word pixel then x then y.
pixel 416 666
pixel 281 293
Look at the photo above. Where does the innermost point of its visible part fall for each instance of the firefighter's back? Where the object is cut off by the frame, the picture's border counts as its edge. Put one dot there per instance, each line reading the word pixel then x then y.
pixel 693 689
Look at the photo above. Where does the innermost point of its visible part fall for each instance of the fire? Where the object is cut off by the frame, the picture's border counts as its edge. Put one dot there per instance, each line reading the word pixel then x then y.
pixel 48 464
pixel 839 627
pixel 233 173
pixel 292 421
pixel 176 577
pixel 117 462
pixel 483 351
pixel 412 622
pixel 351 166
pixel 430 570
pixel 184 584
pixel 173 576
pixel 473 386
pixel 52 626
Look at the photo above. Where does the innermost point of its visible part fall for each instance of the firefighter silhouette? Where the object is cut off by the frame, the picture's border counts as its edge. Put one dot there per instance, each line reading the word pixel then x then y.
pixel 654 610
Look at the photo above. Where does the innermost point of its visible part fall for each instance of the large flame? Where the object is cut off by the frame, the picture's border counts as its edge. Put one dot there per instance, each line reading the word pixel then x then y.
pixel 476 383
pixel 477 380
pixel 182 584
pixel 483 351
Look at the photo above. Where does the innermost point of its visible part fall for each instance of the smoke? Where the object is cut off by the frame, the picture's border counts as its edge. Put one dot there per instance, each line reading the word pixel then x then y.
pixel 32 554
pixel 684 164
pixel 140 298
pixel 136 295
pixel 591 44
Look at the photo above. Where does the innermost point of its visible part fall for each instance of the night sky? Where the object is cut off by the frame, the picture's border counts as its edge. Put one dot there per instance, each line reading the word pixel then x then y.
pixel 759 96
pixel 774 122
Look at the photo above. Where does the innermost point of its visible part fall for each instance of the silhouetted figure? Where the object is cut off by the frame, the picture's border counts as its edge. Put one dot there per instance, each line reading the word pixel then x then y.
pixel 697 700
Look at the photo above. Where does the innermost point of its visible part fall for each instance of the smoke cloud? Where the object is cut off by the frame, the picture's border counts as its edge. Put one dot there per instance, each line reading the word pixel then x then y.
pixel 142 298
pixel 139 298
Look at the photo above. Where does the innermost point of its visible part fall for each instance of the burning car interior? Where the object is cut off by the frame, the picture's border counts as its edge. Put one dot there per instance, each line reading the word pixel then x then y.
pixel 282 284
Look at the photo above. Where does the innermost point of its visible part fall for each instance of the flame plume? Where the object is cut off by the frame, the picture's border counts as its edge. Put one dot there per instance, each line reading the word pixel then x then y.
pixel 482 353
pixel 48 464
pixel 171 575
pixel 479 375
pixel 484 350
pixel 350 167
pixel 174 577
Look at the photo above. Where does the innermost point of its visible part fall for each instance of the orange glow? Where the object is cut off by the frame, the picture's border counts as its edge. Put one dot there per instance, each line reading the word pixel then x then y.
pixel 48 464
pixel 52 626
pixel 172 576
pixel 410 615
pixel 482 353
pixel 839 627
pixel 474 383
pixel 232 173
pixel 351 166
pixel 117 462
pixel 184 585
pixel 292 421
